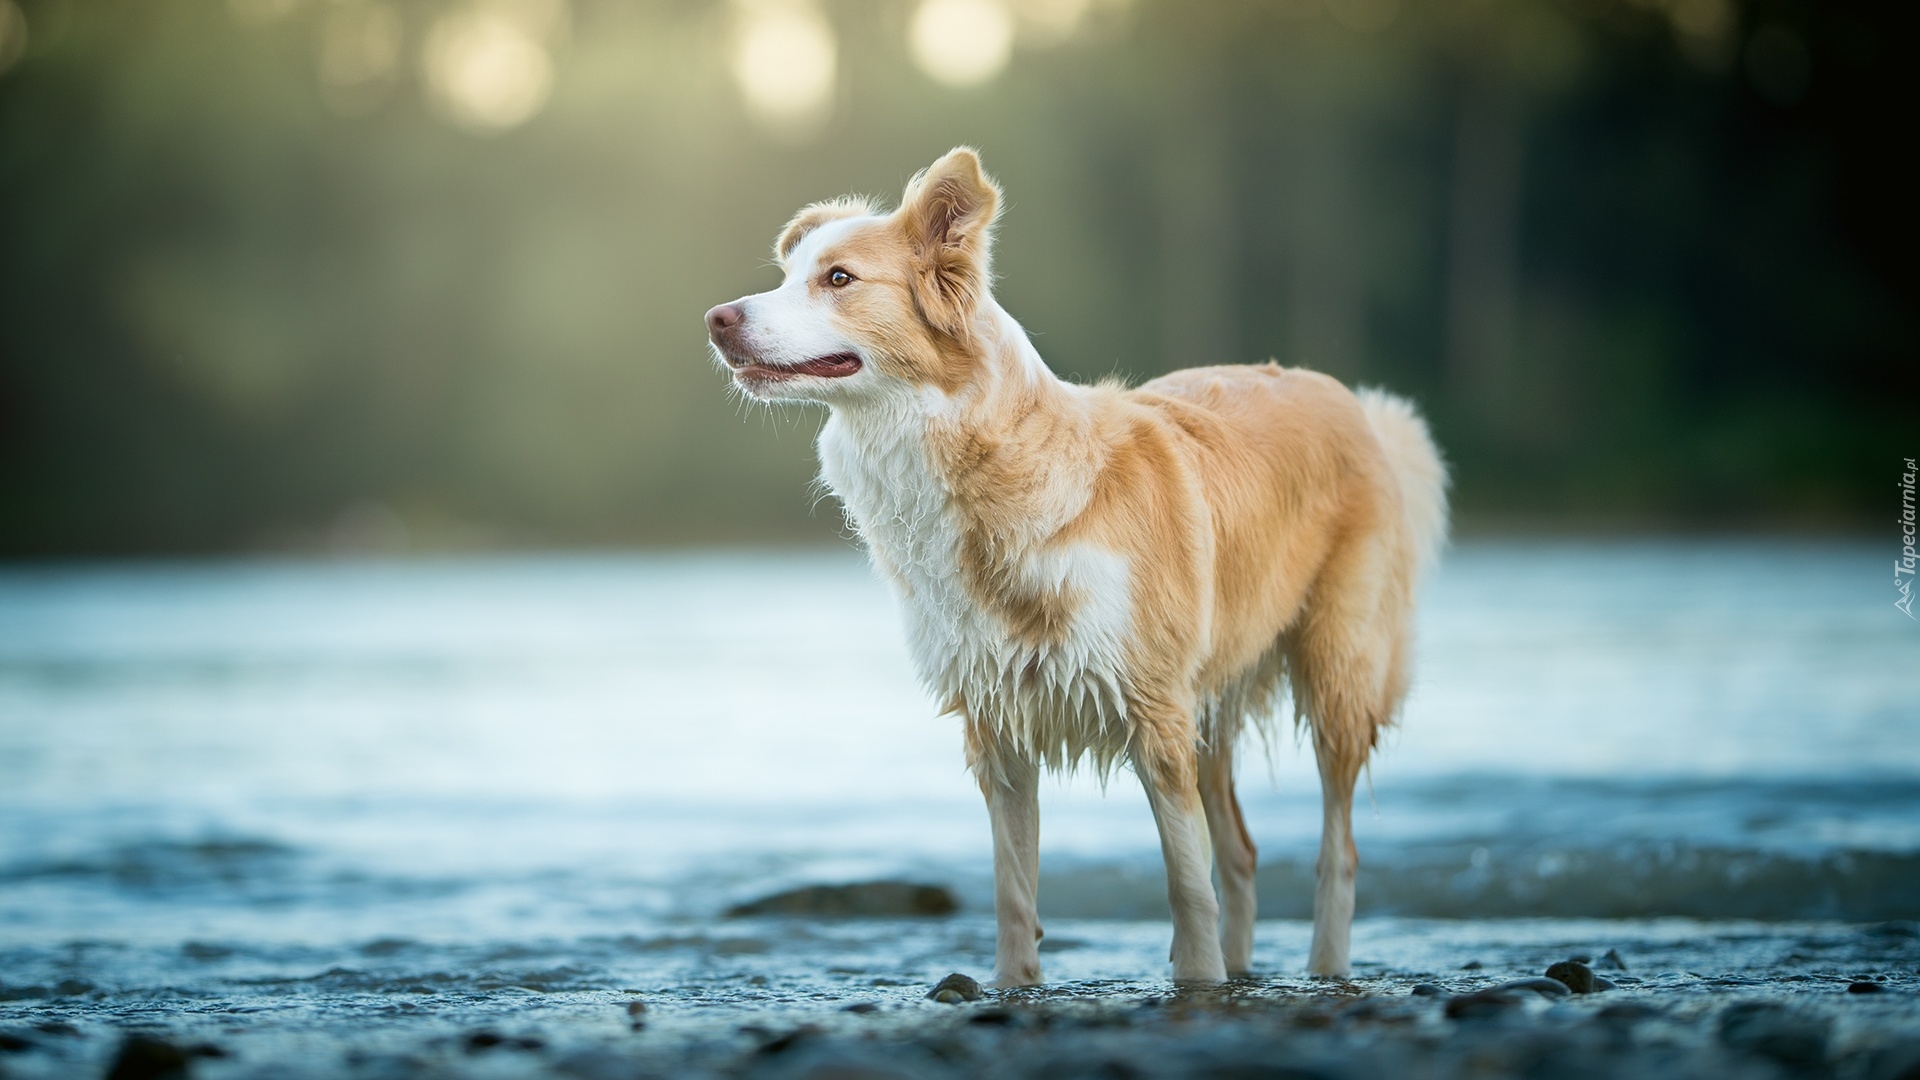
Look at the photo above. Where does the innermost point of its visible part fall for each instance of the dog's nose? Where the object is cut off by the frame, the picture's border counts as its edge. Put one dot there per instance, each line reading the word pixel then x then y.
pixel 722 320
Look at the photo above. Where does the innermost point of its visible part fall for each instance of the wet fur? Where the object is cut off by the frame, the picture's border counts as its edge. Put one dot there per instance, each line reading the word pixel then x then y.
pixel 1103 574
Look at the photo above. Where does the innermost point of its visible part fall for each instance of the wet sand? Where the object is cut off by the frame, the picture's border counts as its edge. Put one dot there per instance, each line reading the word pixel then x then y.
pixel 766 998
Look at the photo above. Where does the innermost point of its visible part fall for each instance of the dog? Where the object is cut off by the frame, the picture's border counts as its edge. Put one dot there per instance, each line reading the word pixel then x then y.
pixel 1101 574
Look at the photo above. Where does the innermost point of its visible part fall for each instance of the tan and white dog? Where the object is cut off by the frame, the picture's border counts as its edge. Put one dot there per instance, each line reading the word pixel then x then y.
pixel 1097 573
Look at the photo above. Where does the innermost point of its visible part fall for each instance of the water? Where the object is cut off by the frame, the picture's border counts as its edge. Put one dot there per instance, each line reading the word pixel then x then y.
pixel 307 784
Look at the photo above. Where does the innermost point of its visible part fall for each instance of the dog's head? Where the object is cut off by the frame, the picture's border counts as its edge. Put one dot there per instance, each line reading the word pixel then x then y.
pixel 872 304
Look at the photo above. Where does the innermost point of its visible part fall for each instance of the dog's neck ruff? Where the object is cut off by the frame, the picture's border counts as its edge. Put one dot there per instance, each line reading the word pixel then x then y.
pixel 959 555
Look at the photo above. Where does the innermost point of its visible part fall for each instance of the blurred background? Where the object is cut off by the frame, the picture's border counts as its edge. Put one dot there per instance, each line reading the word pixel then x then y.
pixel 287 280
pixel 299 275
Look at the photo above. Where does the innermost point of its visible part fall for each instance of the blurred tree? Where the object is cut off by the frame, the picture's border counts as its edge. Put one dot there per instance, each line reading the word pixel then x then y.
pixel 273 270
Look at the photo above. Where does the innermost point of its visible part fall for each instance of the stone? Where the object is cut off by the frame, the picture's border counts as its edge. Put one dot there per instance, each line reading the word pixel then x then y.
pixel 1613 961
pixel 1482 1004
pixel 960 987
pixel 1426 990
pixel 483 1040
pixel 1628 1012
pixel 1541 985
pixel 1789 1037
pixel 871 899
pixel 1865 987
pixel 1577 977
pixel 144 1057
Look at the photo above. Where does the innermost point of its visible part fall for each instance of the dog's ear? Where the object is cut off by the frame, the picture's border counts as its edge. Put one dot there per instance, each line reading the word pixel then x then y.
pixel 948 212
pixel 812 217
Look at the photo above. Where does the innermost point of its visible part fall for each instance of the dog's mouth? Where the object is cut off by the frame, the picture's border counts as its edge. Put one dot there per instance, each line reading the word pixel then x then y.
pixel 836 366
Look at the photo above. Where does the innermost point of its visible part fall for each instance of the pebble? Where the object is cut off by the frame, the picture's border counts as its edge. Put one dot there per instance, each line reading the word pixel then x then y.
pixel 869 899
pixel 1472 965
pixel 862 1007
pixel 1628 1012
pixel 1613 961
pixel 1426 990
pixel 955 989
pixel 1540 985
pixel 1575 974
pixel 1788 1036
pixel 1864 987
pixel 487 1040
pixel 1481 1004
pixel 143 1057
pixel 780 1044
pixel 59 1027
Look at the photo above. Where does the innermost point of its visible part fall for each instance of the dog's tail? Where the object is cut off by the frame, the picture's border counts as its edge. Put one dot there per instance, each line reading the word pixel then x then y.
pixel 1416 465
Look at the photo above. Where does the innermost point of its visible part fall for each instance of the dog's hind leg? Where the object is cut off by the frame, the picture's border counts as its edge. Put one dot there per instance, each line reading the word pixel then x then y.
pixel 1347 679
pixel 1339 861
pixel 1233 853
pixel 1011 784
pixel 1166 761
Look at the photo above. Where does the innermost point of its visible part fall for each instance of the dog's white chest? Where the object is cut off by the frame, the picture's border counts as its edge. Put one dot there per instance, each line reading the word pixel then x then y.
pixel 1060 699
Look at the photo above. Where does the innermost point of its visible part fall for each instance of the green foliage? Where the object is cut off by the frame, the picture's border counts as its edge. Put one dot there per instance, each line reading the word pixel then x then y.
pixel 1635 274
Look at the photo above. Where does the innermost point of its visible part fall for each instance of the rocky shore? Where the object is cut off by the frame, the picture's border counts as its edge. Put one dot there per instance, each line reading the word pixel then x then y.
pixel 1842 1003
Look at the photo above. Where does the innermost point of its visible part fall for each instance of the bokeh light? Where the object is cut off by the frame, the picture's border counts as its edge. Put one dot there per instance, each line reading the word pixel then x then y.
pixel 261 12
pixel 1050 22
pixel 487 66
pixel 962 42
pixel 13 34
pixel 1705 30
pixel 784 60
pixel 359 56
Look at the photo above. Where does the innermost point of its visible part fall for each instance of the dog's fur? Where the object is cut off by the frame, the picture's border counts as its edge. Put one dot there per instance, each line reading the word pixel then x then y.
pixel 1092 572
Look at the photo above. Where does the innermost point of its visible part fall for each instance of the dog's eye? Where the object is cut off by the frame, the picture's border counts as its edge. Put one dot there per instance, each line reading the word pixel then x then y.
pixel 839 278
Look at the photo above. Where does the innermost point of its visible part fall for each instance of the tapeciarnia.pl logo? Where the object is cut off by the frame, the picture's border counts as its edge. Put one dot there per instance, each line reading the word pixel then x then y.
pixel 1905 563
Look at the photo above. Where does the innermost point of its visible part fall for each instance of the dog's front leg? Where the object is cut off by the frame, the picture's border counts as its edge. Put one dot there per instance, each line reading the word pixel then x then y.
pixel 1012 787
pixel 1173 790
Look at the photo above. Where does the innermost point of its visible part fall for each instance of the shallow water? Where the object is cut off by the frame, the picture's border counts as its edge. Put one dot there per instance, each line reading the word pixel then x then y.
pixel 482 791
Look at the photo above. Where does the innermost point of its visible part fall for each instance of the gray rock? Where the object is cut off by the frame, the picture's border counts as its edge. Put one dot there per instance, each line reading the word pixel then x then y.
pixel 1789 1037
pixel 1482 1004
pixel 143 1057
pixel 1541 985
pixel 1426 990
pixel 1613 961
pixel 955 989
pixel 870 899
pixel 1577 976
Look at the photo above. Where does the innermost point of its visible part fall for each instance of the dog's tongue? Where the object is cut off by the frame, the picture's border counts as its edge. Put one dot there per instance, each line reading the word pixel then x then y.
pixel 831 367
